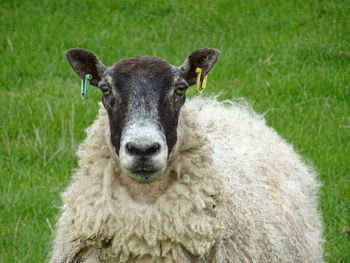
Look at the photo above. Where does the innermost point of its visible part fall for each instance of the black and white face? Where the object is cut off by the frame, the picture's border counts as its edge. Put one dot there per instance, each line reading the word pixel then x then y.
pixel 143 97
pixel 143 102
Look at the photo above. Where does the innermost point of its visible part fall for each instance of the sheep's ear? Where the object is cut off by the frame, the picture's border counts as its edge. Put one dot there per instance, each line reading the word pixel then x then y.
pixel 204 58
pixel 85 62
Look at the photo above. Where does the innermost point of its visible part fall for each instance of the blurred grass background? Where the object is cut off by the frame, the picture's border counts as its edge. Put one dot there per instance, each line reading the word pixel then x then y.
pixel 289 59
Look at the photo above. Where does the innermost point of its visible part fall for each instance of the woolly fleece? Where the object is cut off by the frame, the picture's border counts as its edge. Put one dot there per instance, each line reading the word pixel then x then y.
pixel 233 191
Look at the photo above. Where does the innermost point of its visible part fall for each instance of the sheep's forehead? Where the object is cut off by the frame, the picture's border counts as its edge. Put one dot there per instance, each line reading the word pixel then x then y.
pixel 146 69
pixel 146 65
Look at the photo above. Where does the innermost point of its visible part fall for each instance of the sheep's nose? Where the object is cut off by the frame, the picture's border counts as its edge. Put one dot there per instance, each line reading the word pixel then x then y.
pixel 142 151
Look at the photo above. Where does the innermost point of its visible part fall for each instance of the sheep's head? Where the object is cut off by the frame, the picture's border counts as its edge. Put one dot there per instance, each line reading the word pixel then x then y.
pixel 143 97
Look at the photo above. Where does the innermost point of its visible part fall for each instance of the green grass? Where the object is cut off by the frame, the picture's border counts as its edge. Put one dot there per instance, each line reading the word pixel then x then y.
pixel 289 59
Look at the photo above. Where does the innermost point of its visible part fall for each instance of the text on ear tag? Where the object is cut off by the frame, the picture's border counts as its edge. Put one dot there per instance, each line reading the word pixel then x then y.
pixel 84 88
pixel 200 87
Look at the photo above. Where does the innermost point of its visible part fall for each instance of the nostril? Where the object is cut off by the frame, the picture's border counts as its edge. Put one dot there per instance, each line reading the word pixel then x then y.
pixel 142 151
pixel 130 148
pixel 153 149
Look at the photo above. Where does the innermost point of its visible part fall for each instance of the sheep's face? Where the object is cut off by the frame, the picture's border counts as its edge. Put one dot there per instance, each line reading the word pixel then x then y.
pixel 143 97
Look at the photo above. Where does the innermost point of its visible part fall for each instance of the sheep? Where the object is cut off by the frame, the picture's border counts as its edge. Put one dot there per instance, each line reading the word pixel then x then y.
pixel 161 180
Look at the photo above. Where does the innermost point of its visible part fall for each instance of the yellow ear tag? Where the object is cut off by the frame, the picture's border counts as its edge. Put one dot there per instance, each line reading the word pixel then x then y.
pixel 200 88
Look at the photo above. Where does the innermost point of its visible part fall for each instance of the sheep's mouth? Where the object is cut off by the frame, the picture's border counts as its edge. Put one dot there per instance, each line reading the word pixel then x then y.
pixel 144 175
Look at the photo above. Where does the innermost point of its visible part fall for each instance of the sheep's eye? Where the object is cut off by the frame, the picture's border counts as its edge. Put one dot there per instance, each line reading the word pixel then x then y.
pixel 180 89
pixel 106 90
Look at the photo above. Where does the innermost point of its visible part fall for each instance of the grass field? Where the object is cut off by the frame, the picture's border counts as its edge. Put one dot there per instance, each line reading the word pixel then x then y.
pixel 289 59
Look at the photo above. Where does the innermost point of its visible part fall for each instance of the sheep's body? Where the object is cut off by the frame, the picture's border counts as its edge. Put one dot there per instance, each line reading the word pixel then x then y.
pixel 233 191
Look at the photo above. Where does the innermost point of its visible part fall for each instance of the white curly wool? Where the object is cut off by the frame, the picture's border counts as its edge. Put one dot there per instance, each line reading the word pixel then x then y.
pixel 233 191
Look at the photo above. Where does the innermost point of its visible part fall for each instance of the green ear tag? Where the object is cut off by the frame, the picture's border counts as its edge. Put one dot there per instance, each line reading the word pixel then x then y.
pixel 84 88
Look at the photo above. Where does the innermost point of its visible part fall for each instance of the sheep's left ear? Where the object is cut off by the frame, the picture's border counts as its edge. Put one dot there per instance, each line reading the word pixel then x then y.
pixel 204 58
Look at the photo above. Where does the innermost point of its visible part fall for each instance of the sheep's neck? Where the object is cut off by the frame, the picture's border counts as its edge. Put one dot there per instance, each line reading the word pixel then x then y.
pixel 146 193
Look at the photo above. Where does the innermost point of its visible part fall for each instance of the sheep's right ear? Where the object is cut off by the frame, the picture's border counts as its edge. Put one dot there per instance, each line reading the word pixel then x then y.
pixel 85 62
